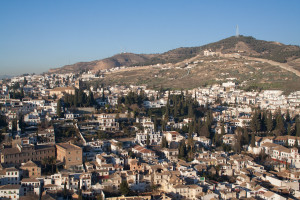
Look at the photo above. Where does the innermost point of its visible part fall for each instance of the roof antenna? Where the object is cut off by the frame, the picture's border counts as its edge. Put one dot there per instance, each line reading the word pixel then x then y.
pixel 237 34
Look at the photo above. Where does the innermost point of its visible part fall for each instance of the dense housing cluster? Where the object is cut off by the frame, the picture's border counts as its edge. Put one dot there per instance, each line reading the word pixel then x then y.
pixel 62 137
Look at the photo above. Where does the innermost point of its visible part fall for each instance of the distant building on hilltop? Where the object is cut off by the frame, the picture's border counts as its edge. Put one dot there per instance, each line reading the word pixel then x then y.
pixel 209 53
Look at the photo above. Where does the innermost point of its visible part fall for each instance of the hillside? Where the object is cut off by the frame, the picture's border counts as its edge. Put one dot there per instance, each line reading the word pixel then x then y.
pixel 246 46
pixel 124 59
pixel 198 71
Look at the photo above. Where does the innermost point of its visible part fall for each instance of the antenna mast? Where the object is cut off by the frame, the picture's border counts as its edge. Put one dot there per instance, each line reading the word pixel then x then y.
pixel 237 34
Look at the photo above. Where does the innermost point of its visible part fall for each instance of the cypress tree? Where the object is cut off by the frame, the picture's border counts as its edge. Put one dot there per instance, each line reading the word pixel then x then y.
pixel 296 143
pixel 280 123
pixel 222 130
pixel 58 109
pixel 269 122
pixel 264 121
pixel 148 140
pixel 289 129
pixel 245 138
pixel 182 150
pixel 252 140
pixel 297 127
pixel 65 190
pixel 164 142
pixel 190 110
pixel 287 117
pixel 124 188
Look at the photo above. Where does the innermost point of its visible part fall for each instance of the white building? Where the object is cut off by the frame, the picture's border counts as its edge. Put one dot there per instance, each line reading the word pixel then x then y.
pixel 154 137
pixel 107 122
pixel 12 192
pixel 9 176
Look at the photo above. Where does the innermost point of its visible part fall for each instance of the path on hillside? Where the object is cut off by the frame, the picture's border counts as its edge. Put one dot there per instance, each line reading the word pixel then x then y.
pixel 188 72
pixel 281 65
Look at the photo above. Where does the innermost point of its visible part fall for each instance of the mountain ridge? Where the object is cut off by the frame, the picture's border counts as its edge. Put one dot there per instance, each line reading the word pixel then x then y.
pixel 244 45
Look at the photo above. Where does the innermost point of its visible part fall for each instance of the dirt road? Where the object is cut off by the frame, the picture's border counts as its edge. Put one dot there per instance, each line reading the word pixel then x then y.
pixel 281 65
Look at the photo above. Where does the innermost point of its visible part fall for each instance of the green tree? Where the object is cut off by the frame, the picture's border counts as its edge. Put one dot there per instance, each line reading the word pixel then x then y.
pixel 279 123
pixel 80 195
pixel 204 130
pixel 99 197
pixel 287 117
pixel 222 130
pixel 297 127
pixel 90 99
pixel 124 188
pixel 58 109
pixel 190 110
pixel 269 122
pixel 3 121
pixel 65 190
pixel 296 143
pixel 14 125
pixel 52 162
pixel 164 143
pixel 289 132
pixel 255 123
pixel 264 120
pixel 252 140
pixel 182 150
pixel 245 137
pixel 148 140
pixel 25 82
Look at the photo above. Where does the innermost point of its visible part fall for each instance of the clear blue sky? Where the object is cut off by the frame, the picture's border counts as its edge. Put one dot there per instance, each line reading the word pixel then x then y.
pixel 36 35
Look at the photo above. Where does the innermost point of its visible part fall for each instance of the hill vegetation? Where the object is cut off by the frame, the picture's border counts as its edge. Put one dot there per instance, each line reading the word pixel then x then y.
pixel 202 71
pixel 246 46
